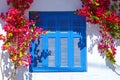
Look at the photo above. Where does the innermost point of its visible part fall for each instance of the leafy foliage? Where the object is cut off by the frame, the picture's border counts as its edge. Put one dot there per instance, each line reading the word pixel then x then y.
pixel 19 32
pixel 103 13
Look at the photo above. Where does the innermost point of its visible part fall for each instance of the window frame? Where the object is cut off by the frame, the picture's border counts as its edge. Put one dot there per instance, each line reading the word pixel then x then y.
pixel 83 67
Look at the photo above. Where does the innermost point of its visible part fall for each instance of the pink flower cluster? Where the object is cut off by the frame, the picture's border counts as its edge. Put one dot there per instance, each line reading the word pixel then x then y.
pixel 20 4
pixel 19 33
pixel 99 12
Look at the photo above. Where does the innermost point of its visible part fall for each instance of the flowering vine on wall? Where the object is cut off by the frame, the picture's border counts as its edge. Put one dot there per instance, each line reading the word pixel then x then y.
pixel 104 13
pixel 19 33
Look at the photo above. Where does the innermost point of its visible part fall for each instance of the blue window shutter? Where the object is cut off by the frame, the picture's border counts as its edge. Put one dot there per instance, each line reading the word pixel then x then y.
pixel 64 48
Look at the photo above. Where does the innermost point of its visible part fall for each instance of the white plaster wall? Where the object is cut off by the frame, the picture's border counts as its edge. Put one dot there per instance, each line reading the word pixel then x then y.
pixel 97 67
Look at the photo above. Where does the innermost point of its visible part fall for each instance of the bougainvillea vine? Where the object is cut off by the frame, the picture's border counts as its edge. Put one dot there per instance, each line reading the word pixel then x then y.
pixel 19 33
pixel 103 13
pixel 18 36
pixel 21 5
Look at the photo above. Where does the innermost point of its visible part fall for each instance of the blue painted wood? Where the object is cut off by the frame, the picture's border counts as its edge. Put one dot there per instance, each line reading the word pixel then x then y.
pixel 63 25
pixel 70 50
pixel 45 48
pixel 57 54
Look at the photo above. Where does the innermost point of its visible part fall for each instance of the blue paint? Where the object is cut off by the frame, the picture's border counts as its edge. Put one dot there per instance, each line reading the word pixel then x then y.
pixel 57 50
pixel 62 25
pixel 45 48
pixel 70 49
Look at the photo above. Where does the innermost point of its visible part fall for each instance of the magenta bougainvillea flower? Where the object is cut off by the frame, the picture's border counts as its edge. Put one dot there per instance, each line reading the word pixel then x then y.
pixel 102 13
pixel 20 4
pixel 18 36
pixel 19 32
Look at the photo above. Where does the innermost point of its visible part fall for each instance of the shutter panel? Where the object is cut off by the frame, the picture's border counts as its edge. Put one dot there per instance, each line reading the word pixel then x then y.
pixel 64 48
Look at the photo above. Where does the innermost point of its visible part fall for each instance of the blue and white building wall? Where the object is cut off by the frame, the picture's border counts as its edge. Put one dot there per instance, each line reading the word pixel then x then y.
pixel 97 67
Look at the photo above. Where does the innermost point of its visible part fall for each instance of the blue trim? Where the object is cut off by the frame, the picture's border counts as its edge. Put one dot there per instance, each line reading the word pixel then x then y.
pixel 57 54
pixel 57 69
pixel 45 47
pixel 70 50
pixel 83 59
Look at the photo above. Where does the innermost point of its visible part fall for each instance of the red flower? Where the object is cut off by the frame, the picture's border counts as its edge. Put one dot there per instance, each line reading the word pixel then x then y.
pixel 20 4
pixel 19 34
pixel 2 37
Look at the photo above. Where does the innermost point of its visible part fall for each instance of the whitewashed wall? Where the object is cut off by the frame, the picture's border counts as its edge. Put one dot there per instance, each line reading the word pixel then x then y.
pixel 97 67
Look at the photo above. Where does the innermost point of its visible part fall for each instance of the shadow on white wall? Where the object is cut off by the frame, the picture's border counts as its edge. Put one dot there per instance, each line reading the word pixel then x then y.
pixel 7 66
pixel 94 36
pixel 21 73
